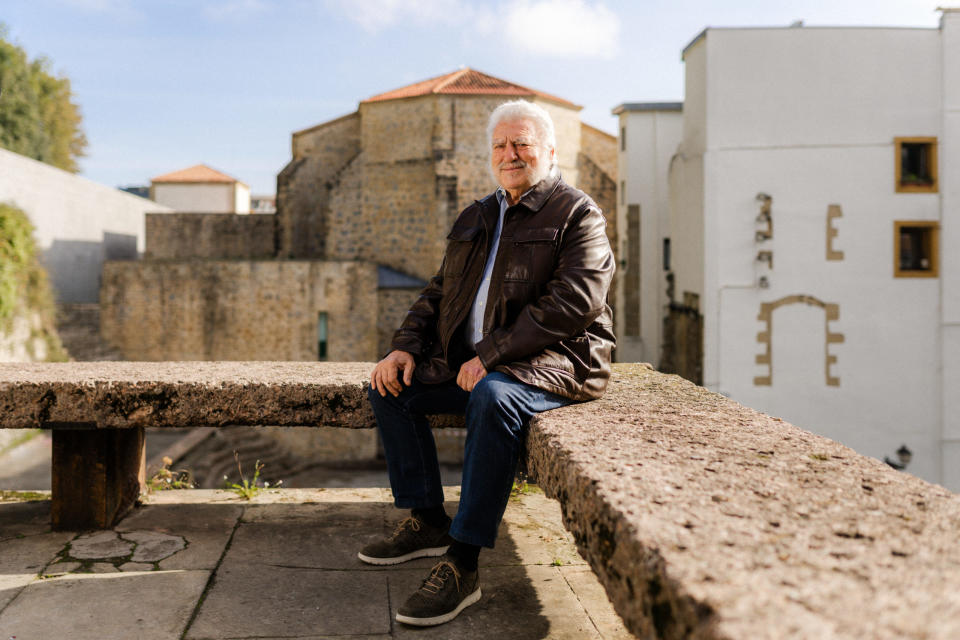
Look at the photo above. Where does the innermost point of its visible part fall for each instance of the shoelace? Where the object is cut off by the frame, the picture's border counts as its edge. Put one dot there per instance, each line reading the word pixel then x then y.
pixel 440 572
pixel 409 521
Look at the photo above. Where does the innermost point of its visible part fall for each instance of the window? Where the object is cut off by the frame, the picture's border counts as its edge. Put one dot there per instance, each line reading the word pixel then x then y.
pixel 915 247
pixel 322 335
pixel 623 138
pixel 916 165
pixel 623 192
pixel 666 254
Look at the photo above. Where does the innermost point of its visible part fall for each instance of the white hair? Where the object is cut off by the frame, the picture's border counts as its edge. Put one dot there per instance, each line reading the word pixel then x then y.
pixel 521 109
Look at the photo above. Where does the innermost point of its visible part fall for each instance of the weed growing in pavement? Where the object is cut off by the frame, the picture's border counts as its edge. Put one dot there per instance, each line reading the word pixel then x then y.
pixel 520 486
pixel 165 478
pixel 22 496
pixel 247 489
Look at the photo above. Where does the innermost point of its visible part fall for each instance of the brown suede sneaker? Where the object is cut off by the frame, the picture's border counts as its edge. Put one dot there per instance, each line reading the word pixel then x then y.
pixel 443 595
pixel 413 538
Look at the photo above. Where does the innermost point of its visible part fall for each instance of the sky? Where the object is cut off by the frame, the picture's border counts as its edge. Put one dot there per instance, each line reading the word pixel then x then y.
pixel 166 84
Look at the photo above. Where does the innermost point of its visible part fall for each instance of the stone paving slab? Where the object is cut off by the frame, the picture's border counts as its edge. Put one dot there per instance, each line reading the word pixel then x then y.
pixel 145 606
pixel 521 602
pixel 205 527
pixel 23 559
pixel 592 597
pixel 284 566
pixel 24 518
pixel 254 600
pixel 532 533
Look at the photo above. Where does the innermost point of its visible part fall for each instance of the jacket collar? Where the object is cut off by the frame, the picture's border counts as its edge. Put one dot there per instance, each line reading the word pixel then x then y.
pixel 537 196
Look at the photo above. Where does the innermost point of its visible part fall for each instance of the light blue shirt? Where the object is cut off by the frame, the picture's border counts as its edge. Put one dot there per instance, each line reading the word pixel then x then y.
pixel 474 326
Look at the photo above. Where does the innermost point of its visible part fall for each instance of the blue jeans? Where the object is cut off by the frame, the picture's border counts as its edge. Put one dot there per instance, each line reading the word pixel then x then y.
pixel 497 412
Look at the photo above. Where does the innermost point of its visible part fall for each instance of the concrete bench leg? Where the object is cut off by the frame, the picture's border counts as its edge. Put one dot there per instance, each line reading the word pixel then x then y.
pixel 97 476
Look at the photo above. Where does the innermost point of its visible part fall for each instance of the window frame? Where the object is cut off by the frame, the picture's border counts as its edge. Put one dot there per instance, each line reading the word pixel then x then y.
pixel 934 270
pixel 934 186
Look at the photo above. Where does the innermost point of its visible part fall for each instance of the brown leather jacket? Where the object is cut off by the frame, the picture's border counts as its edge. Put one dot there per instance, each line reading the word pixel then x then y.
pixel 547 322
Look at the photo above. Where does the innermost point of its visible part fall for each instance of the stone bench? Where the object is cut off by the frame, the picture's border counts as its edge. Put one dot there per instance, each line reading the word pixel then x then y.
pixel 97 412
pixel 702 518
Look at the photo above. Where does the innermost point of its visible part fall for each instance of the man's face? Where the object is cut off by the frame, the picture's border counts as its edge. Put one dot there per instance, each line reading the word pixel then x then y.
pixel 519 160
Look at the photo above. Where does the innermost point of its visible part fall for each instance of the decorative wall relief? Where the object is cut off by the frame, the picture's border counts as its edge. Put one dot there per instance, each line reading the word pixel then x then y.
pixel 831 313
pixel 833 211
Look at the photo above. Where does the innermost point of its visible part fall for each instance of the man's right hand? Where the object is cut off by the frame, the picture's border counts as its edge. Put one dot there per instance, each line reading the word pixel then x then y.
pixel 384 377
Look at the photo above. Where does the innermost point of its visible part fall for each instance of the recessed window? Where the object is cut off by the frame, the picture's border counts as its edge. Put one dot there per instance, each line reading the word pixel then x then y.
pixel 916 165
pixel 623 192
pixel 322 335
pixel 915 248
pixel 623 138
pixel 666 254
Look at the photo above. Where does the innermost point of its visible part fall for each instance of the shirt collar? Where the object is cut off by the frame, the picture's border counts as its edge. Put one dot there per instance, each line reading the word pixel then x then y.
pixel 535 196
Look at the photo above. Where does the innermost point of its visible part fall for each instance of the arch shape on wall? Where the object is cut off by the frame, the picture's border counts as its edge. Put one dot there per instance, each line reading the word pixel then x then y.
pixel 765 338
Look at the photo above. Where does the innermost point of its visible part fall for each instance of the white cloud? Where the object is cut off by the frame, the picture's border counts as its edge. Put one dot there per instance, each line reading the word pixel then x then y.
pixel 563 28
pixel 376 15
pixel 549 28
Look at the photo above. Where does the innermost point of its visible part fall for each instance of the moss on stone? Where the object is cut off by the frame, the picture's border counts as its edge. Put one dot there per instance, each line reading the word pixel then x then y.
pixel 24 286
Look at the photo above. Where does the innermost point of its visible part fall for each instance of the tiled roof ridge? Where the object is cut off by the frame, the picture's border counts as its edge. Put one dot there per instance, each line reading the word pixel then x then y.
pixel 451 78
pixel 465 81
pixel 196 173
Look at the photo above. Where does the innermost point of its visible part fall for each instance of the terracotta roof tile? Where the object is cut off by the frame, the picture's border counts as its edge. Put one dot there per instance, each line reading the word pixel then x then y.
pixel 466 82
pixel 197 173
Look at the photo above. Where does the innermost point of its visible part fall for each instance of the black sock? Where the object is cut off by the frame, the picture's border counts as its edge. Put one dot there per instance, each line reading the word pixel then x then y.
pixel 464 555
pixel 436 517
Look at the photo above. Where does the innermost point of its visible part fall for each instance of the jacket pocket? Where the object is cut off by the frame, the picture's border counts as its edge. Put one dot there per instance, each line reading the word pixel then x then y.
pixel 532 255
pixel 461 242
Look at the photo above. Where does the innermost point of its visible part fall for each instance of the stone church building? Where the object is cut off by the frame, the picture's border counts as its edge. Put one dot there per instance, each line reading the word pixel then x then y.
pixel 363 210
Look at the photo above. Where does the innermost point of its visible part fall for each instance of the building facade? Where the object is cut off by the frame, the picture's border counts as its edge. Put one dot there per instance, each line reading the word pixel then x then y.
pixel 814 206
pixel 201 189
pixel 363 211
pixel 79 223
pixel 386 182
pixel 649 135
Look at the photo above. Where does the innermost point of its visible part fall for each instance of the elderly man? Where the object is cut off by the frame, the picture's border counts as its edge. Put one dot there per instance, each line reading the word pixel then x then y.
pixel 514 323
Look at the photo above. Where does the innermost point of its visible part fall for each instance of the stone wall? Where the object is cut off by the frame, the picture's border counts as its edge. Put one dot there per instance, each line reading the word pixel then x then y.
pixel 392 306
pixel 385 184
pixel 239 310
pixel 304 185
pixel 601 147
pixel 218 236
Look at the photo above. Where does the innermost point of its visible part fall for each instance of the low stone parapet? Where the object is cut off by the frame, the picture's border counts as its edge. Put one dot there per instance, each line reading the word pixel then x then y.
pixel 702 518
pixel 706 519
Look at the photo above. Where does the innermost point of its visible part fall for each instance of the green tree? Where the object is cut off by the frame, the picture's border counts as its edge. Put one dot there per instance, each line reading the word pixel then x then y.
pixel 38 117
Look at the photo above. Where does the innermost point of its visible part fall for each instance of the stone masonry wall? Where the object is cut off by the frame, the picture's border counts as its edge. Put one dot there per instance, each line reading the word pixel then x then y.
pixel 222 236
pixel 239 310
pixel 392 307
pixel 601 147
pixel 566 124
pixel 349 235
pixel 422 161
pixel 303 186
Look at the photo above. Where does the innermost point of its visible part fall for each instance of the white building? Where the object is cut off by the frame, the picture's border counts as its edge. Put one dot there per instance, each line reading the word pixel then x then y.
pixel 815 231
pixel 79 223
pixel 201 189
pixel 649 135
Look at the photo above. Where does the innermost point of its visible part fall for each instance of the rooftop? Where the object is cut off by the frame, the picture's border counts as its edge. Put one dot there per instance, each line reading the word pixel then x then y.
pixel 467 81
pixel 647 106
pixel 196 173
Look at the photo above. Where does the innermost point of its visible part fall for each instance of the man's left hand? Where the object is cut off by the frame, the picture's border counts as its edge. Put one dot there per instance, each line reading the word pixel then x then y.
pixel 471 373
